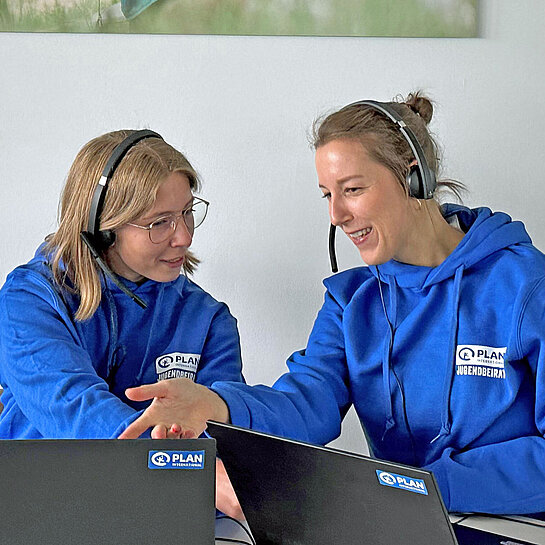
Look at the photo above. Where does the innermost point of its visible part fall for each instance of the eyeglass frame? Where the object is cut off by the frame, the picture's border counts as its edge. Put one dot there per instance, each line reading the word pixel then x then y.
pixel 176 219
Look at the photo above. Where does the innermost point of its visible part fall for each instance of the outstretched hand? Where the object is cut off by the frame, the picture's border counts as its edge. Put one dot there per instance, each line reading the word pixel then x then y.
pixel 180 408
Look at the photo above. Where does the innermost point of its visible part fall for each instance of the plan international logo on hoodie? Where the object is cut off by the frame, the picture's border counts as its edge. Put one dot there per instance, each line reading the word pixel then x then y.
pixel 177 365
pixel 483 361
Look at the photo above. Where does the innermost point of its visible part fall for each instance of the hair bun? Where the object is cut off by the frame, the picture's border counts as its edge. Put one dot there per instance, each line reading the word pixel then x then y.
pixel 420 105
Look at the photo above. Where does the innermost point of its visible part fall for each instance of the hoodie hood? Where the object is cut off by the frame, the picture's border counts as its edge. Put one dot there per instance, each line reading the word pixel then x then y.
pixel 486 232
pixel 118 306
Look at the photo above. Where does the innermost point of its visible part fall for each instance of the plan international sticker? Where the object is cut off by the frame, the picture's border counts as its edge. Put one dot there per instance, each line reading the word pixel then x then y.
pixel 401 481
pixel 176 459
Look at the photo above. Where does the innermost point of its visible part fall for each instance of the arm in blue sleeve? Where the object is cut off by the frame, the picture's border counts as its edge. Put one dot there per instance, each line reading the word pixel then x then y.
pixel 48 371
pixel 506 477
pixel 501 478
pixel 307 403
pixel 220 358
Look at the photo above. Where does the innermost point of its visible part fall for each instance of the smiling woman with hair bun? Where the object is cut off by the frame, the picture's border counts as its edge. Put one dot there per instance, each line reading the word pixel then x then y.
pixel 438 342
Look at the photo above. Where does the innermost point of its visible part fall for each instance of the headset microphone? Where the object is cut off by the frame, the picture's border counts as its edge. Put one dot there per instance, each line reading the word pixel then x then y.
pixel 332 256
pixel 99 241
pixel 109 273
pixel 421 181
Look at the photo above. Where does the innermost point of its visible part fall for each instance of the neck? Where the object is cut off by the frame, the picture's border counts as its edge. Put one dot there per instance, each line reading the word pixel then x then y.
pixel 432 239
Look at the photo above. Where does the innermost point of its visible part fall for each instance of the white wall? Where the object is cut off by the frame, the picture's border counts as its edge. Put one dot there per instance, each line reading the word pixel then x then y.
pixel 240 107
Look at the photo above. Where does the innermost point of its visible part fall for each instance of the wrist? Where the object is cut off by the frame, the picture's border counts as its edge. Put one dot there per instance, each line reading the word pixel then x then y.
pixel 219 409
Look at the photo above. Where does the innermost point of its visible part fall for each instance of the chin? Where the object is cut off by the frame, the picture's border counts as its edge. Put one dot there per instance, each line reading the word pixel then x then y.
pixel 164 277
pixel 170 277
pixel 374 260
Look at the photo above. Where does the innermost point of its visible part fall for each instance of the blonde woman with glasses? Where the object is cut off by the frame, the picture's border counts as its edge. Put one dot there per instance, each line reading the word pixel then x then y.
pixel 103 305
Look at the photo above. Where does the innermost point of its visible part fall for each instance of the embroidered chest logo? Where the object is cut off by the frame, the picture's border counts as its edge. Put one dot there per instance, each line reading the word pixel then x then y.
pixel 483 361
pixel 176 365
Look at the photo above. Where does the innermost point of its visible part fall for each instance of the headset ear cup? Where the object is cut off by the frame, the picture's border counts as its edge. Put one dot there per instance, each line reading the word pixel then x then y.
pixel 415 183
pixel 106 239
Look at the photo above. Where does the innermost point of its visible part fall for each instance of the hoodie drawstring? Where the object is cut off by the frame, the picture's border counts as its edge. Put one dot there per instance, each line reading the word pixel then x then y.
pixel 387 352
pixel 114 359
pixel 446 422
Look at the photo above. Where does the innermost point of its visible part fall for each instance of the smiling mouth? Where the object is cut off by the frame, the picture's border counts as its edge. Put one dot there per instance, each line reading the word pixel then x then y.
pixel 360 234
pixel 174 261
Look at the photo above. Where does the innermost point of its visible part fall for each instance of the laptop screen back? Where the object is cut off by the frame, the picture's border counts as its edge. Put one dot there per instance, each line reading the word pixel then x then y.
pixel 295 493
pixel 90 492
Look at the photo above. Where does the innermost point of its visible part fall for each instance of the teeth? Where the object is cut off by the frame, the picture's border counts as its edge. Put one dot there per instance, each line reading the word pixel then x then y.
pixel 361 233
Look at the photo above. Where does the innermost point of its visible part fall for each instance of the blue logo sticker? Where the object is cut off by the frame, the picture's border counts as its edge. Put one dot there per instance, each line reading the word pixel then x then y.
pixel 401 481
pixel 176 459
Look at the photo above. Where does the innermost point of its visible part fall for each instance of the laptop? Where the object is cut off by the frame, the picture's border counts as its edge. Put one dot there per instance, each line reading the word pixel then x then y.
pixel 107 492
pixel 297 493
pixel 294 493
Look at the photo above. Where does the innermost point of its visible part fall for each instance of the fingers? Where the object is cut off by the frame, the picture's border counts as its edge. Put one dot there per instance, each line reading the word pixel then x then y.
pixel 162 432
pixel 159 432
pixel 175 429
pixel 174 432
pixel 136 428
pixel 147 391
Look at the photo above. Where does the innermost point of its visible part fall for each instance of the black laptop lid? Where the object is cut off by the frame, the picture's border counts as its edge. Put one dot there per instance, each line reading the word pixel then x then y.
pixel 107 492
pixel 296 493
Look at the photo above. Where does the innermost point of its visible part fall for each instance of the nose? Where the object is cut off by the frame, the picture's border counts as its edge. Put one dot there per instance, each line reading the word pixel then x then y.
pixel 339 213
pixel 182 235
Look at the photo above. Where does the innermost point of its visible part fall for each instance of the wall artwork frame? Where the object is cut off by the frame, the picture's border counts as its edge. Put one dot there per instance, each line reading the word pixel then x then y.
pixel 389 18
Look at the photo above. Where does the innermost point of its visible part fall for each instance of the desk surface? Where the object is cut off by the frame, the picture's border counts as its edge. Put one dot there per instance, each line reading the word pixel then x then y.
pixel 228 530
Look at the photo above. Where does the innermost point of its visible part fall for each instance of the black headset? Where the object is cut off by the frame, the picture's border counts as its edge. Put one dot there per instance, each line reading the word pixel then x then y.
pixel 421 181
pixel 99 241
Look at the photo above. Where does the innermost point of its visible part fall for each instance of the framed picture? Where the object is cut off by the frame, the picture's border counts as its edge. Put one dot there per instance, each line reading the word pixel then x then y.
pixel 403 18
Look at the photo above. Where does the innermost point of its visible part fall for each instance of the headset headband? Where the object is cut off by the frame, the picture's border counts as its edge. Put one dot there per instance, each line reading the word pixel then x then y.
pixel 427 176
pixel 97 203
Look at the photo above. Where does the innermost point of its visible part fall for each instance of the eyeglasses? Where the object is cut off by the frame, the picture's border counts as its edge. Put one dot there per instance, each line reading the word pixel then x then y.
pixel 163 228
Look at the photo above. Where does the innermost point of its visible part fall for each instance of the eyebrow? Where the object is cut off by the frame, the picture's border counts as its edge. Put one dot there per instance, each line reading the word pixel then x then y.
pixel 168 212
pixel 345 180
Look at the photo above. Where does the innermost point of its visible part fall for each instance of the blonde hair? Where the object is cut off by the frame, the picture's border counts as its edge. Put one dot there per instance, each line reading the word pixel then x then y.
pixel 131 192
pixel 383 140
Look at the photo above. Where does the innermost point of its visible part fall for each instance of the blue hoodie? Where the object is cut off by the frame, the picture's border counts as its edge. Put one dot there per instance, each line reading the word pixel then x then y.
pixel 451 380
pixel 66 379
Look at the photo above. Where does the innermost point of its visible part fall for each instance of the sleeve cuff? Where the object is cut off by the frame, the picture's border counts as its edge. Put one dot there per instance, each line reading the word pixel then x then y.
pixel 238 410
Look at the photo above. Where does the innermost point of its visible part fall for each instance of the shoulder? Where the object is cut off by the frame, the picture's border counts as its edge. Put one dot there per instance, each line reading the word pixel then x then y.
pixel 30 290
pixel 524 265
pixel 32 277
pixel 191 295
pixel 522 262
pixel 343 286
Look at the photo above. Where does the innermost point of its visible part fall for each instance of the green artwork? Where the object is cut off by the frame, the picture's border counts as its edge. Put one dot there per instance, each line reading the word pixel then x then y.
pixel 405 18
